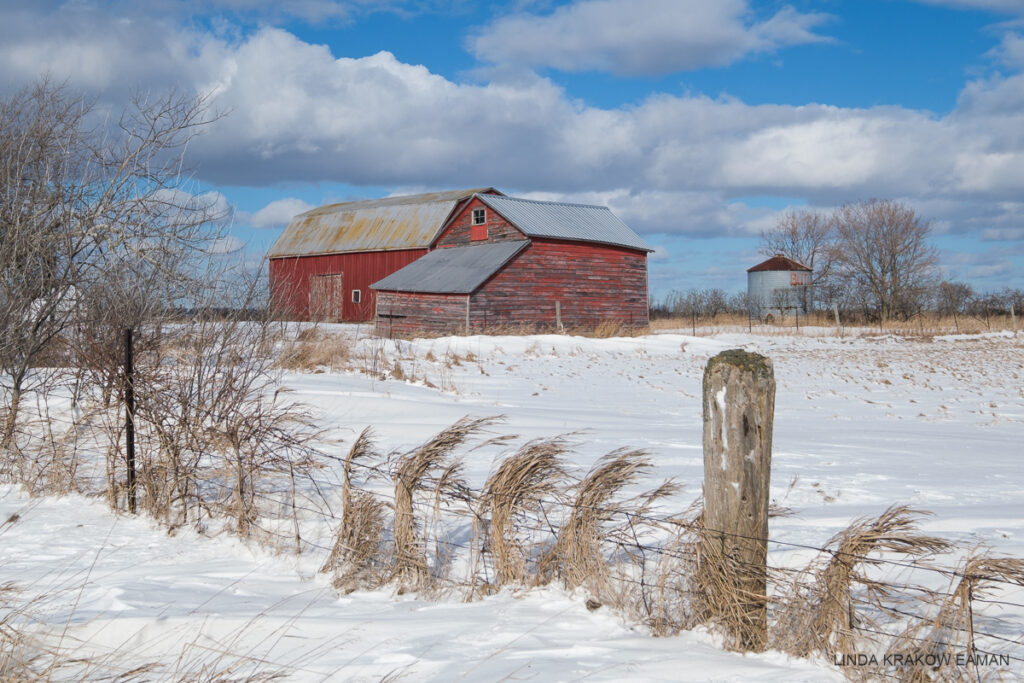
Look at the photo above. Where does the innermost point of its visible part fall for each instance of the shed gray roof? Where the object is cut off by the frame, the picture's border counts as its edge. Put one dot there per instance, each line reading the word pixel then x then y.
pixel 410 222
pixel 456 270
pixel 556 220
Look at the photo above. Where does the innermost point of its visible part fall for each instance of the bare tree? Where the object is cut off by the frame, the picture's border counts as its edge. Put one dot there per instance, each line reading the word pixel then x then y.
pixel 952 298
pixel 883 252
pixel 84 197
pixel 807 236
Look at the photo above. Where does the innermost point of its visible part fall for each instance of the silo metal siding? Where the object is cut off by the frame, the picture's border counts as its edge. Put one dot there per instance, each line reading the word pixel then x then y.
pixel 761 286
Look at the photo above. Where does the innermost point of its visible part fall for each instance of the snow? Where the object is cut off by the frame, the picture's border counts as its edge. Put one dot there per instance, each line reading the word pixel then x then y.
pixel 862 421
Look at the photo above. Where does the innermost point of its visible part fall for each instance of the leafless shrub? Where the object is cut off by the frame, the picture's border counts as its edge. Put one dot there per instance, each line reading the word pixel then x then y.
pixel 214 428
pixel 79 203
pixel 515 497
pixel 429 467
pixel 821 616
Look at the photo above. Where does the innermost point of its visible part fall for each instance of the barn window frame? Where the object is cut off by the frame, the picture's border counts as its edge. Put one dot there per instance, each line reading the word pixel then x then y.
pixel 479 216
pixel 357 296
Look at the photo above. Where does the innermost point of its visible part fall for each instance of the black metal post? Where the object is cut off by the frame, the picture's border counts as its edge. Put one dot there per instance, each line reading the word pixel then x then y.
pixel 129 416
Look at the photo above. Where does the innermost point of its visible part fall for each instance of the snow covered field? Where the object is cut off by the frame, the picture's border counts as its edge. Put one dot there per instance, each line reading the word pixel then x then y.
pixel 862 422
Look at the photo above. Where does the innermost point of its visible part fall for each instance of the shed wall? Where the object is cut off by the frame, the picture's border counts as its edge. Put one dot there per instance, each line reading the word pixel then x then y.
pixel 290 280
pixel 404 314
pixel 593 284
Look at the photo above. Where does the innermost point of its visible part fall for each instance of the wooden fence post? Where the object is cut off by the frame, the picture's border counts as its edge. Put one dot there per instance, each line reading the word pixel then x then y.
pixel 739 406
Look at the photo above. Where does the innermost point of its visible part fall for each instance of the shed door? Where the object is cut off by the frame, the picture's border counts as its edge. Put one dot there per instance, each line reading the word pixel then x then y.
pixel 325 297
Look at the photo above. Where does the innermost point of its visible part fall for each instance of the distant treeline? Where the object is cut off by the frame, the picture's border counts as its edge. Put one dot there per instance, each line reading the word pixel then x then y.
pixel 946 298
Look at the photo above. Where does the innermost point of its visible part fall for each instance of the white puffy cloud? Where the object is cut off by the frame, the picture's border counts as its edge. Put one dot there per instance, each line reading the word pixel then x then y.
pixel 669 164
pixel 1010 51
pixel 640 36
pixel 276 214
pixel 1008 6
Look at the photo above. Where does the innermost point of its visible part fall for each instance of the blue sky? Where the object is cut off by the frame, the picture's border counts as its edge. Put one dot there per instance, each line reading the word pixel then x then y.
pixel 696 121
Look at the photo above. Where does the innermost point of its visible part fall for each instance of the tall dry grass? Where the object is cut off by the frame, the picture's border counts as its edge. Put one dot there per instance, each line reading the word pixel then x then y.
pixel 951 631
pixel 597 517
pixel 924 325
pixel 669 601
pixel 432 466
pixel 314 350
pixel 513 502
pixel 359 556
pixel 823 615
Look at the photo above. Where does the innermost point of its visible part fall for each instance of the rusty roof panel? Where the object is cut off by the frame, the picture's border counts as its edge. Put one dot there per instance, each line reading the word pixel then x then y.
pixel 778 262
pixel 386 224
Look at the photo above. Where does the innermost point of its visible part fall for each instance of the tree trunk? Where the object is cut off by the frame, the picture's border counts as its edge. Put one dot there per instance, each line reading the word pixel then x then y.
pixel 11 421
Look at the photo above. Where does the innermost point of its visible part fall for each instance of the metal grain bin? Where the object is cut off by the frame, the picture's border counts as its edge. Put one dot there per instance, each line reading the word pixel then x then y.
pixel 777 288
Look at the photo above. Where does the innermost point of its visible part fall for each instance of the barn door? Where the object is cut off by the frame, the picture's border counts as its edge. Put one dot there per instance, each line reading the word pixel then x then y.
pixel 325 297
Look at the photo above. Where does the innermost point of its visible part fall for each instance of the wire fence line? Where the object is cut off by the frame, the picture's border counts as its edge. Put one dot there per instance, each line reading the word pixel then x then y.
pixel 547 527
pixel 430 507
pixel 670 521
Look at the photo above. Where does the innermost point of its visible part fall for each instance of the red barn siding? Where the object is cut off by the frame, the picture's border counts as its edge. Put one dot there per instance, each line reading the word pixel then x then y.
pixel 406 313
pixel 459 231
pixel 594 283
pixel 290 279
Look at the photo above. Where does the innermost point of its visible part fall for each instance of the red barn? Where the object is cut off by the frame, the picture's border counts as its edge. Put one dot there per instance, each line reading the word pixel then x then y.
pixel 502 261
pixel 322 266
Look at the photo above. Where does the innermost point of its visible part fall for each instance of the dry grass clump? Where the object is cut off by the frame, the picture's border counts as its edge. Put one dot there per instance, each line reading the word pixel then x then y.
pixel 730 591
pixel 822 616
pixel 667 602
pixel 514 498
pixel 951 632
pixel 429 467
pixel 19 660
pixel 597 519
pixel 313 350
pixel 610 328
pixel 359 556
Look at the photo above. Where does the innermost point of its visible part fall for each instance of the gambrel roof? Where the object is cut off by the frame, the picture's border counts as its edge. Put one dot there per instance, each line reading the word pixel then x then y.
pixel 388 224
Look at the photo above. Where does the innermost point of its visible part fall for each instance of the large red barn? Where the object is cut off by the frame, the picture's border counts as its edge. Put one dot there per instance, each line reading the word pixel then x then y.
pixel 322 266
pixel 507 262
pixel 457 261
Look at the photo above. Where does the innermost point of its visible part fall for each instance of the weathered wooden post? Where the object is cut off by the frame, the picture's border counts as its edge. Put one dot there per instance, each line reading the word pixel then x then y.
pixel 739 406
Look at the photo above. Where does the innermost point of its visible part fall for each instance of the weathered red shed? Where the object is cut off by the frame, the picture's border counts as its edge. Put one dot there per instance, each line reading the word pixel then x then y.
pixel 322 266
pixel 502 261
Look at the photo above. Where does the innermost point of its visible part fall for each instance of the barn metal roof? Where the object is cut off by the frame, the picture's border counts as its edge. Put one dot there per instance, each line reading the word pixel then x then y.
pixel 456 270
pixel 387 224
pixel 778 262
pixel 556 220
